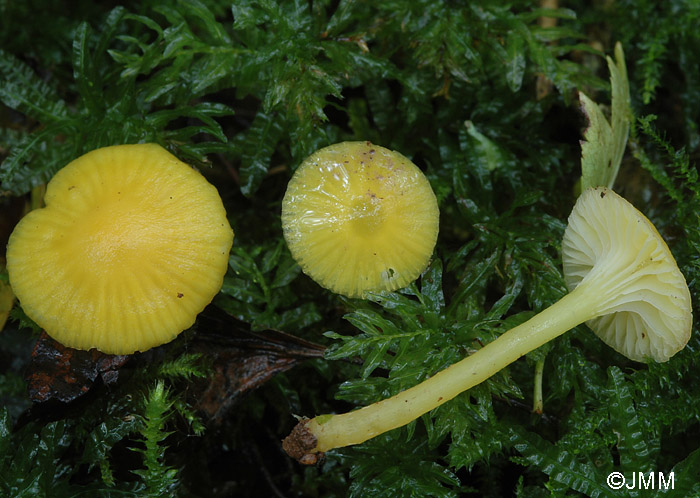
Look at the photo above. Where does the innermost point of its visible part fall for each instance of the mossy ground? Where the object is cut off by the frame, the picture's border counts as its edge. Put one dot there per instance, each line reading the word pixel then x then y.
pixel 482 97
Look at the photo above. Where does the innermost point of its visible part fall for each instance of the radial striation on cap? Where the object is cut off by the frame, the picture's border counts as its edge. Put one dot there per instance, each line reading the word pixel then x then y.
pixel 358 217
pixel 131 246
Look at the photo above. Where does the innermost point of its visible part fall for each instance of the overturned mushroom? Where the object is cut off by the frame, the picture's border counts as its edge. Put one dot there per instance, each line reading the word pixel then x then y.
pixel 358 217
pixel 624 283
pixel 131 246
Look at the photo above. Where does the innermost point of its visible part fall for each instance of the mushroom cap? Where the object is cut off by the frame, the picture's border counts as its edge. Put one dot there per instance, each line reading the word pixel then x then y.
pixel 131 246
pixel 358 217
pixel 646 311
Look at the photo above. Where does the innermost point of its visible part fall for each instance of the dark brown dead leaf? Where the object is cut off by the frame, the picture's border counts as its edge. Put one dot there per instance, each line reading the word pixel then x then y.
pixel 64 374
pixel 244 360
pixel 241 360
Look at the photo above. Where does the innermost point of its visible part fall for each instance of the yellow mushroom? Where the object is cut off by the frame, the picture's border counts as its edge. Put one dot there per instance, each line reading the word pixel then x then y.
pixel 358 217
pixel 624 283
pixel 131 246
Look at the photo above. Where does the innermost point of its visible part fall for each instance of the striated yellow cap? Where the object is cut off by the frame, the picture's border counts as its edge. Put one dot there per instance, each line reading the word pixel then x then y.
pixel 131 246
pixel 358 217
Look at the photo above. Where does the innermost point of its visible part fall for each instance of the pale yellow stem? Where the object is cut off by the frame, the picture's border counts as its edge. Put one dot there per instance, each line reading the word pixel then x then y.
pixel 537 401
pixel 335 431
pixel 37 197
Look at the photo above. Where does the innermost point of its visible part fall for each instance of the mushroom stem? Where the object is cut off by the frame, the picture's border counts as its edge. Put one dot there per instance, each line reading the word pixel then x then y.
pixel 335 431
pixel 537 401
pixel 37 197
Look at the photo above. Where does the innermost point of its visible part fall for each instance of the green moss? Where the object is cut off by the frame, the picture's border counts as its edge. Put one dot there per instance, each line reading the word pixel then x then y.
pixel 483 99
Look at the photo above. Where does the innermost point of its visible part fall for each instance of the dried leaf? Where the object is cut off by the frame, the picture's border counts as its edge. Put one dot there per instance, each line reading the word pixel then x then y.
pixel 65 374
pixel 244 360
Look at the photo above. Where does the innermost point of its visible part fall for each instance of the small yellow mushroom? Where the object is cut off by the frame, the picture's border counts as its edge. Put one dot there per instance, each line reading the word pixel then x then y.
pixel 358 217
pixel 624 284
pixel 131 246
